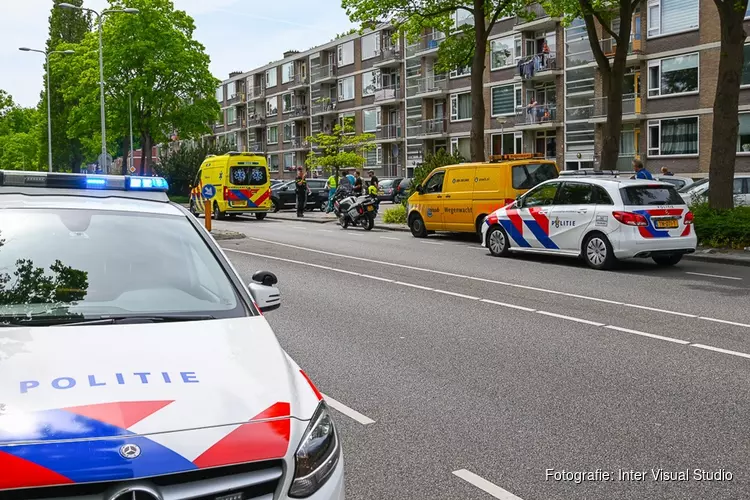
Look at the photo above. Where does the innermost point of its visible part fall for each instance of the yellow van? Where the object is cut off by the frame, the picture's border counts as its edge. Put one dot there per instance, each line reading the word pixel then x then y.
pixel 457 198
pixel 242 185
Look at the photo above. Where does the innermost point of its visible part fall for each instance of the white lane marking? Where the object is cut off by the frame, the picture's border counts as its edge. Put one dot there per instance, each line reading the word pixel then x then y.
pixel 348 233
pixel 487 301
pixel 723 351
pixel 715 276
pixel 650 335
pixel 663 311
pixel 484 485
pixel 430 242
pixel 475 247
pixel 723 321
pixel 298 227
pixel 512 306
pixel 389 238
pixel 325 230
pixel 349 412
pixel 570 318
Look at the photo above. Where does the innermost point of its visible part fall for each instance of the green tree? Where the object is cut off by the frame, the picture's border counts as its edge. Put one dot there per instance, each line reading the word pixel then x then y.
pixel 341 149
pixel 598 15
pixel 19 147
pixel 66 26
pixel 154 58
pixel 726 102
pixel 468 46
pixel 180 163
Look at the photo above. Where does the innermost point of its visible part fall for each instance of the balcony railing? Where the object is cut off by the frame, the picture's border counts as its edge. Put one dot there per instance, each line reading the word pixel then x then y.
pixel 530 66
pixel 256 121
pixel 392 131
pixel 258 92
pixel 430 41
pixel 300 80
pixel 388 94
pixel 324 72
pixel 234 98
pixel 428 127
pixel 299 143
pixel 391 168
pixel 533 12
pixel 218 127
pixel 430 84
pixel 388 55
pixel 300 111
pixel 256 146
pixel 609 46
pixel 630 105
pixel 324 107
pixel 539 114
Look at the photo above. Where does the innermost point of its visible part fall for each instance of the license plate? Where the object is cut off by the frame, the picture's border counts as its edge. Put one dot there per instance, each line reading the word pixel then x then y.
pixel 239 203
pixel 666 224
pixel 370 208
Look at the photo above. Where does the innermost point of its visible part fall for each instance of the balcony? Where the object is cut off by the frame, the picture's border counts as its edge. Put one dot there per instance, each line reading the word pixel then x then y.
pixel 299 82
pixel 256 146
pixel 218 127
pixel 324 108
pixel 391 132
pixel 632 110
pixel 300 112
pixel 391 168
pixel 426 129
pixel 539 67
pixel 426 45
pixel 259 92
pixel 539 117
pixel 299 143
pixel 390 57
pixel 434 85
pixel 609 46
pixel 233 99
pixel 388 95
pixel 325 73
pixel 256 121
pixel 535 19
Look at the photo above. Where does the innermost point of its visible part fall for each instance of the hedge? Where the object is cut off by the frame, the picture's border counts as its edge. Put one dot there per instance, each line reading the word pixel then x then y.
pixel 722 229
pixel 395 215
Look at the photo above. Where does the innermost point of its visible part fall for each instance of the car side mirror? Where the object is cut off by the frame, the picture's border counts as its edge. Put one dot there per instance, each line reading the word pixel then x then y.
pixel 285 188
pixel 266 296
pixel 420 189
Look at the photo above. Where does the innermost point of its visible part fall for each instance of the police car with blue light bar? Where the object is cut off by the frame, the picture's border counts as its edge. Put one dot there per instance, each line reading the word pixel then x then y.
pixel 136 363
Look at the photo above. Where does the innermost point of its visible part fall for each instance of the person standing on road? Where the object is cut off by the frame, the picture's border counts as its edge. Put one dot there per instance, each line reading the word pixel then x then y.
pixel 665 171
pixel 640 171
pixel 351 178
pixel 300 189
pixel 331 185
pixel 357 184
pixel 373 180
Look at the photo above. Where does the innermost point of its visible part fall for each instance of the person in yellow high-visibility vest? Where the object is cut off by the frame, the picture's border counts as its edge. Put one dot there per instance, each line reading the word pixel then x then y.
pixel 331 185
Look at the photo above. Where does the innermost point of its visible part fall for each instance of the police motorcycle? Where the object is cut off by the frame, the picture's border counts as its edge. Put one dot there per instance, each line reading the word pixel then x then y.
pixel 355 210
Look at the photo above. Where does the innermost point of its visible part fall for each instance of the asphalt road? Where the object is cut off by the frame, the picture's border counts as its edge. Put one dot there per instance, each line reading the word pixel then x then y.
pixel 473 377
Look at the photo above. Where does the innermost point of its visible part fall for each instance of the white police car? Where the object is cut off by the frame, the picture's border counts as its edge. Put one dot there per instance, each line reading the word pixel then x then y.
pixel 134 363
pixel 599 219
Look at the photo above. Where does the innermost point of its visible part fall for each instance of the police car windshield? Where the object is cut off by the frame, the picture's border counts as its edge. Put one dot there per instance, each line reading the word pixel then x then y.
pixel 84 264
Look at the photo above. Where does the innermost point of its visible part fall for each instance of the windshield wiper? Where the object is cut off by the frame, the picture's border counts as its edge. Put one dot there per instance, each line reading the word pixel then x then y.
pixel 116 320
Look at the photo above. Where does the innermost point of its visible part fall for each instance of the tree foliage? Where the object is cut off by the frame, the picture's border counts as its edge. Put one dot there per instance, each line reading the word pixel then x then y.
pixel 432 161
pixel 180 163
pixel 341 149
pixel 153 57
pixel 466 47
pixel 19 145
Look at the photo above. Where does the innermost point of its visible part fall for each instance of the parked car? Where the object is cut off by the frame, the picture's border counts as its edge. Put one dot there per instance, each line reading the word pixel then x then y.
pixel 284 196
pixel 698 191
pixel 677 181
pixel 387 188
pixel 402 191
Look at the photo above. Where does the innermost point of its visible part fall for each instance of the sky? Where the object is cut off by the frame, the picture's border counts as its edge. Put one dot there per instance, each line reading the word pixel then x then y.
pixel 238 35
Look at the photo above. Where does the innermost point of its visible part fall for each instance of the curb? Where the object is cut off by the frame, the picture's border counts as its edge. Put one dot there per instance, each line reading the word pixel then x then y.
pixel 719 259
pixel 220 235
pixel 393 228
pixel 300 219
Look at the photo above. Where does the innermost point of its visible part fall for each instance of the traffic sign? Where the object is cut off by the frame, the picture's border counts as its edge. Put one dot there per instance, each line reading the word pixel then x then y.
pixel 209 191
pixel 132 170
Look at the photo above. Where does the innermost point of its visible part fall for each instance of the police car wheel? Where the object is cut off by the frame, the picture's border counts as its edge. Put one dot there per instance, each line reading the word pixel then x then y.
pixel 667 260
pixel 416 224
pixel 497 242
pixel 598 253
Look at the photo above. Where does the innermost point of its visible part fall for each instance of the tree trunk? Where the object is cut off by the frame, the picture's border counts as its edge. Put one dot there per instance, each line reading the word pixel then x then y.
pixel 142 166
pixel 613 126
pixel 476 145
pixel 76 156
pixel 726 121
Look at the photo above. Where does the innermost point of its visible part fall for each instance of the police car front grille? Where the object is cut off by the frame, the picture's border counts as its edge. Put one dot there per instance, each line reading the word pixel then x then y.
pixel 255 481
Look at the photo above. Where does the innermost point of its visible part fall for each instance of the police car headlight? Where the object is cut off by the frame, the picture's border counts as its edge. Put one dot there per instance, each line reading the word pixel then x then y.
pixel 317 455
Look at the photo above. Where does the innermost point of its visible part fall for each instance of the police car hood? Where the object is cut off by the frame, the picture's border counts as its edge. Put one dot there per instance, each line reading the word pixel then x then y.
pixel 188 394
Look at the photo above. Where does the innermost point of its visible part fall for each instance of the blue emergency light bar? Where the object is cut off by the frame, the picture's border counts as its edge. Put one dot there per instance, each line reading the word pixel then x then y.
pixel 82 181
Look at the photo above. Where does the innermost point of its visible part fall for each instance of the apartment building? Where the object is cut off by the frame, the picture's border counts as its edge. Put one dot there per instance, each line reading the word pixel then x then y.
pixel 542 92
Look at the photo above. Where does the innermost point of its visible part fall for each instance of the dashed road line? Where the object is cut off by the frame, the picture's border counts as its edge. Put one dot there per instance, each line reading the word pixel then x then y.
pixel 494 302
pixel 502 283
pixel 430 242
pixel 715 276
pixel 389 238
pixel 484 485
pixel 349 412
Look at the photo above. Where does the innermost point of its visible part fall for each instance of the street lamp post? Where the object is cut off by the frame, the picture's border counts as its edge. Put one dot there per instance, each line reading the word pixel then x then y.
pixel 49 114
pixel 130 112
pixel 100 20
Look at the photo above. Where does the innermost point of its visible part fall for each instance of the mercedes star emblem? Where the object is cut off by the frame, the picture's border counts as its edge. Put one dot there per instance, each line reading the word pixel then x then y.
pixel 130 451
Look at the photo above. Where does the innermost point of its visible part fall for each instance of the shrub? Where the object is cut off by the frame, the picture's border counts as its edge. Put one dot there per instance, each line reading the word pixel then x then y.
pixel 395 215
pixel 728 228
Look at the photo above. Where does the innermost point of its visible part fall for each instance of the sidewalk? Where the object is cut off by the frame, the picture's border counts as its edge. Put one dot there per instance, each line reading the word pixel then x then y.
pixel 721 256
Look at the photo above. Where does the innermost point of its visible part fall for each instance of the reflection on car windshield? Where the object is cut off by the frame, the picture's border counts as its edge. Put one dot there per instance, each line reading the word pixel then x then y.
pixel 690 187
pixel 87 264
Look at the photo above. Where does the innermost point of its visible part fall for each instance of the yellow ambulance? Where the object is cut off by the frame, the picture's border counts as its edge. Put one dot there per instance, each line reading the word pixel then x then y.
pixel 241 182
pixel 457 198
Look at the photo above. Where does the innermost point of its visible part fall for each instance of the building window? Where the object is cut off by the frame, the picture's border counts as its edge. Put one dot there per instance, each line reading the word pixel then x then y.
pixel 346 53
pixel 288 161
pixel 346 121
pixel 666 17
pixel 288 132
pixel 506 144
pixel 462 146
pixel 273 163
pixel 287 72
pixel 231 89
pixel 370 45
pixel 674 136
pixel 374 157
pixel 231 115
pixel 272 107
pixel 286 103
pixel 673 75
pixel 272 135
pixel 506 99
pixel 746 65
pixel 220 93
pixel 370 119
pixel 462 17
pixel 743 135
pixel 346 89
pixel 370 82
pixel 460 107
pixel 505 52
pixel 271 78
pixel 461 72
